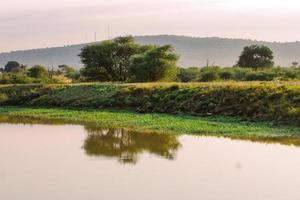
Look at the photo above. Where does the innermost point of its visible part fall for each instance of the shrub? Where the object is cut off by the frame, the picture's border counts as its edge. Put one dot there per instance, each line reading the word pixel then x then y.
pixel 38 71
pixel 227 75
pixel 260 76
pixel 188 74
pixel 209 74
pixel 240 73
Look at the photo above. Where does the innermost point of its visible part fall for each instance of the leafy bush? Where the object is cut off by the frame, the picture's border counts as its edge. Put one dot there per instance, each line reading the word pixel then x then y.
pixel 38 71
pixel 15 78
pixel 188 74
pixel 260 76
pixel 227 75
pixel 209 74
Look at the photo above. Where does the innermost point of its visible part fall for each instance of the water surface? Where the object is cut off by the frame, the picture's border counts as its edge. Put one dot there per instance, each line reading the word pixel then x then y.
pixel 84 162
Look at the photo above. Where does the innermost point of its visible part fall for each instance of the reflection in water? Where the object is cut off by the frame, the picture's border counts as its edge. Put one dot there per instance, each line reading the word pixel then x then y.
pixel 95 130
pixel 121 144
pixel 47 162
pixel 126 145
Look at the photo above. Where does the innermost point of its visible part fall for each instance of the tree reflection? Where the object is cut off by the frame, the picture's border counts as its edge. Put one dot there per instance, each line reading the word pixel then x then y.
pixel 127 145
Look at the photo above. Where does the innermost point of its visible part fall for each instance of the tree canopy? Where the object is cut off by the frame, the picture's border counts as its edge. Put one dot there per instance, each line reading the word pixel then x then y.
pixel 156 64
pixel 13 66
pixel 112 57
pixel 256 56
pixel 111 60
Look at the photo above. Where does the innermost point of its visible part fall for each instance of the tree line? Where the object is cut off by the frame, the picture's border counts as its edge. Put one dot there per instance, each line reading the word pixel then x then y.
pixel 124 60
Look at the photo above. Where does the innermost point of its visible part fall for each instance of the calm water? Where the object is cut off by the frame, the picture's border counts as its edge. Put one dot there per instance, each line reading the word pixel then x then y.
pixel 59 162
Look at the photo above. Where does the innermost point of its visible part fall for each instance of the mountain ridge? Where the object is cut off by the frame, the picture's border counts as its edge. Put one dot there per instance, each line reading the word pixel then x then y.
pixel 194 51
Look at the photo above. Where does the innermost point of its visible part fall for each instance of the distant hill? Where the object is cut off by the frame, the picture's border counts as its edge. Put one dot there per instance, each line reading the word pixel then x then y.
pixel 194 51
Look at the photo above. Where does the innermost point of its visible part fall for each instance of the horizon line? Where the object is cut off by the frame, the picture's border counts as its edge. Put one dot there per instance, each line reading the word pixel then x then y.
pixel 156 35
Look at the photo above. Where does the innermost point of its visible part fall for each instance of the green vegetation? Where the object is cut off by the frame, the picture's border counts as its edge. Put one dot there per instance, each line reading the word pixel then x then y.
pixel 188 74
pixel 256 57
pixel 38 71
pixel 13 66
pixel 219 126
pixel 15 73
pixel 271 101
pixel 122 59
pixel 208 74
pixel 194 51
pixel 156 64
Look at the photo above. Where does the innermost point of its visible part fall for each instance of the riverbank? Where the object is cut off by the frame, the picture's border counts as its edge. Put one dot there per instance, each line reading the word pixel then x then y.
pixel 177 124
pixel 277 102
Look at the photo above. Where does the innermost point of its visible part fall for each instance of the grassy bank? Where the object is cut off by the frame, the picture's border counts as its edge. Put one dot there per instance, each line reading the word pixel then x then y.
pixel 216 126
pixel 268 101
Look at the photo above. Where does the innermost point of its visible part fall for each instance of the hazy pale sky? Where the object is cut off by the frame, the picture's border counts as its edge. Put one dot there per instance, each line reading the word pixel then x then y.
pixel 26 24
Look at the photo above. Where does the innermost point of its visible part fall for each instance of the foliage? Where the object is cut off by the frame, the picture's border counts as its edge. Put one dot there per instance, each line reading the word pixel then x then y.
pixel 255 56
pixel 20 74
pixel 226 74
pixel 156 64
pixel 15 78
pixel 112 60
pixel 91 74
pixel 188 74
pixel 111 57
pixel 69 72
pixel 260 76
pixel 209 74
pixel 38 71
pixel 23 78
pixel 14 66
pixel 257 101
pixel 175 124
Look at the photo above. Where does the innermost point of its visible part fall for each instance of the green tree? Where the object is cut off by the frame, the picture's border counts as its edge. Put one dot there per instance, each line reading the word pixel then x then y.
pixel 256 56
pixel 111 57
pixel 156 64
pixel 14 66
pixel 38 71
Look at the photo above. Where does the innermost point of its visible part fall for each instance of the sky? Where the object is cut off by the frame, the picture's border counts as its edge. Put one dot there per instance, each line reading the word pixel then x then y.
pixel 28 24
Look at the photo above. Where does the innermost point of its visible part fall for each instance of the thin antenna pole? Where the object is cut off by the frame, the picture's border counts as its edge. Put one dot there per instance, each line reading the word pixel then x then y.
pixel 108 32
pixel 95 36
